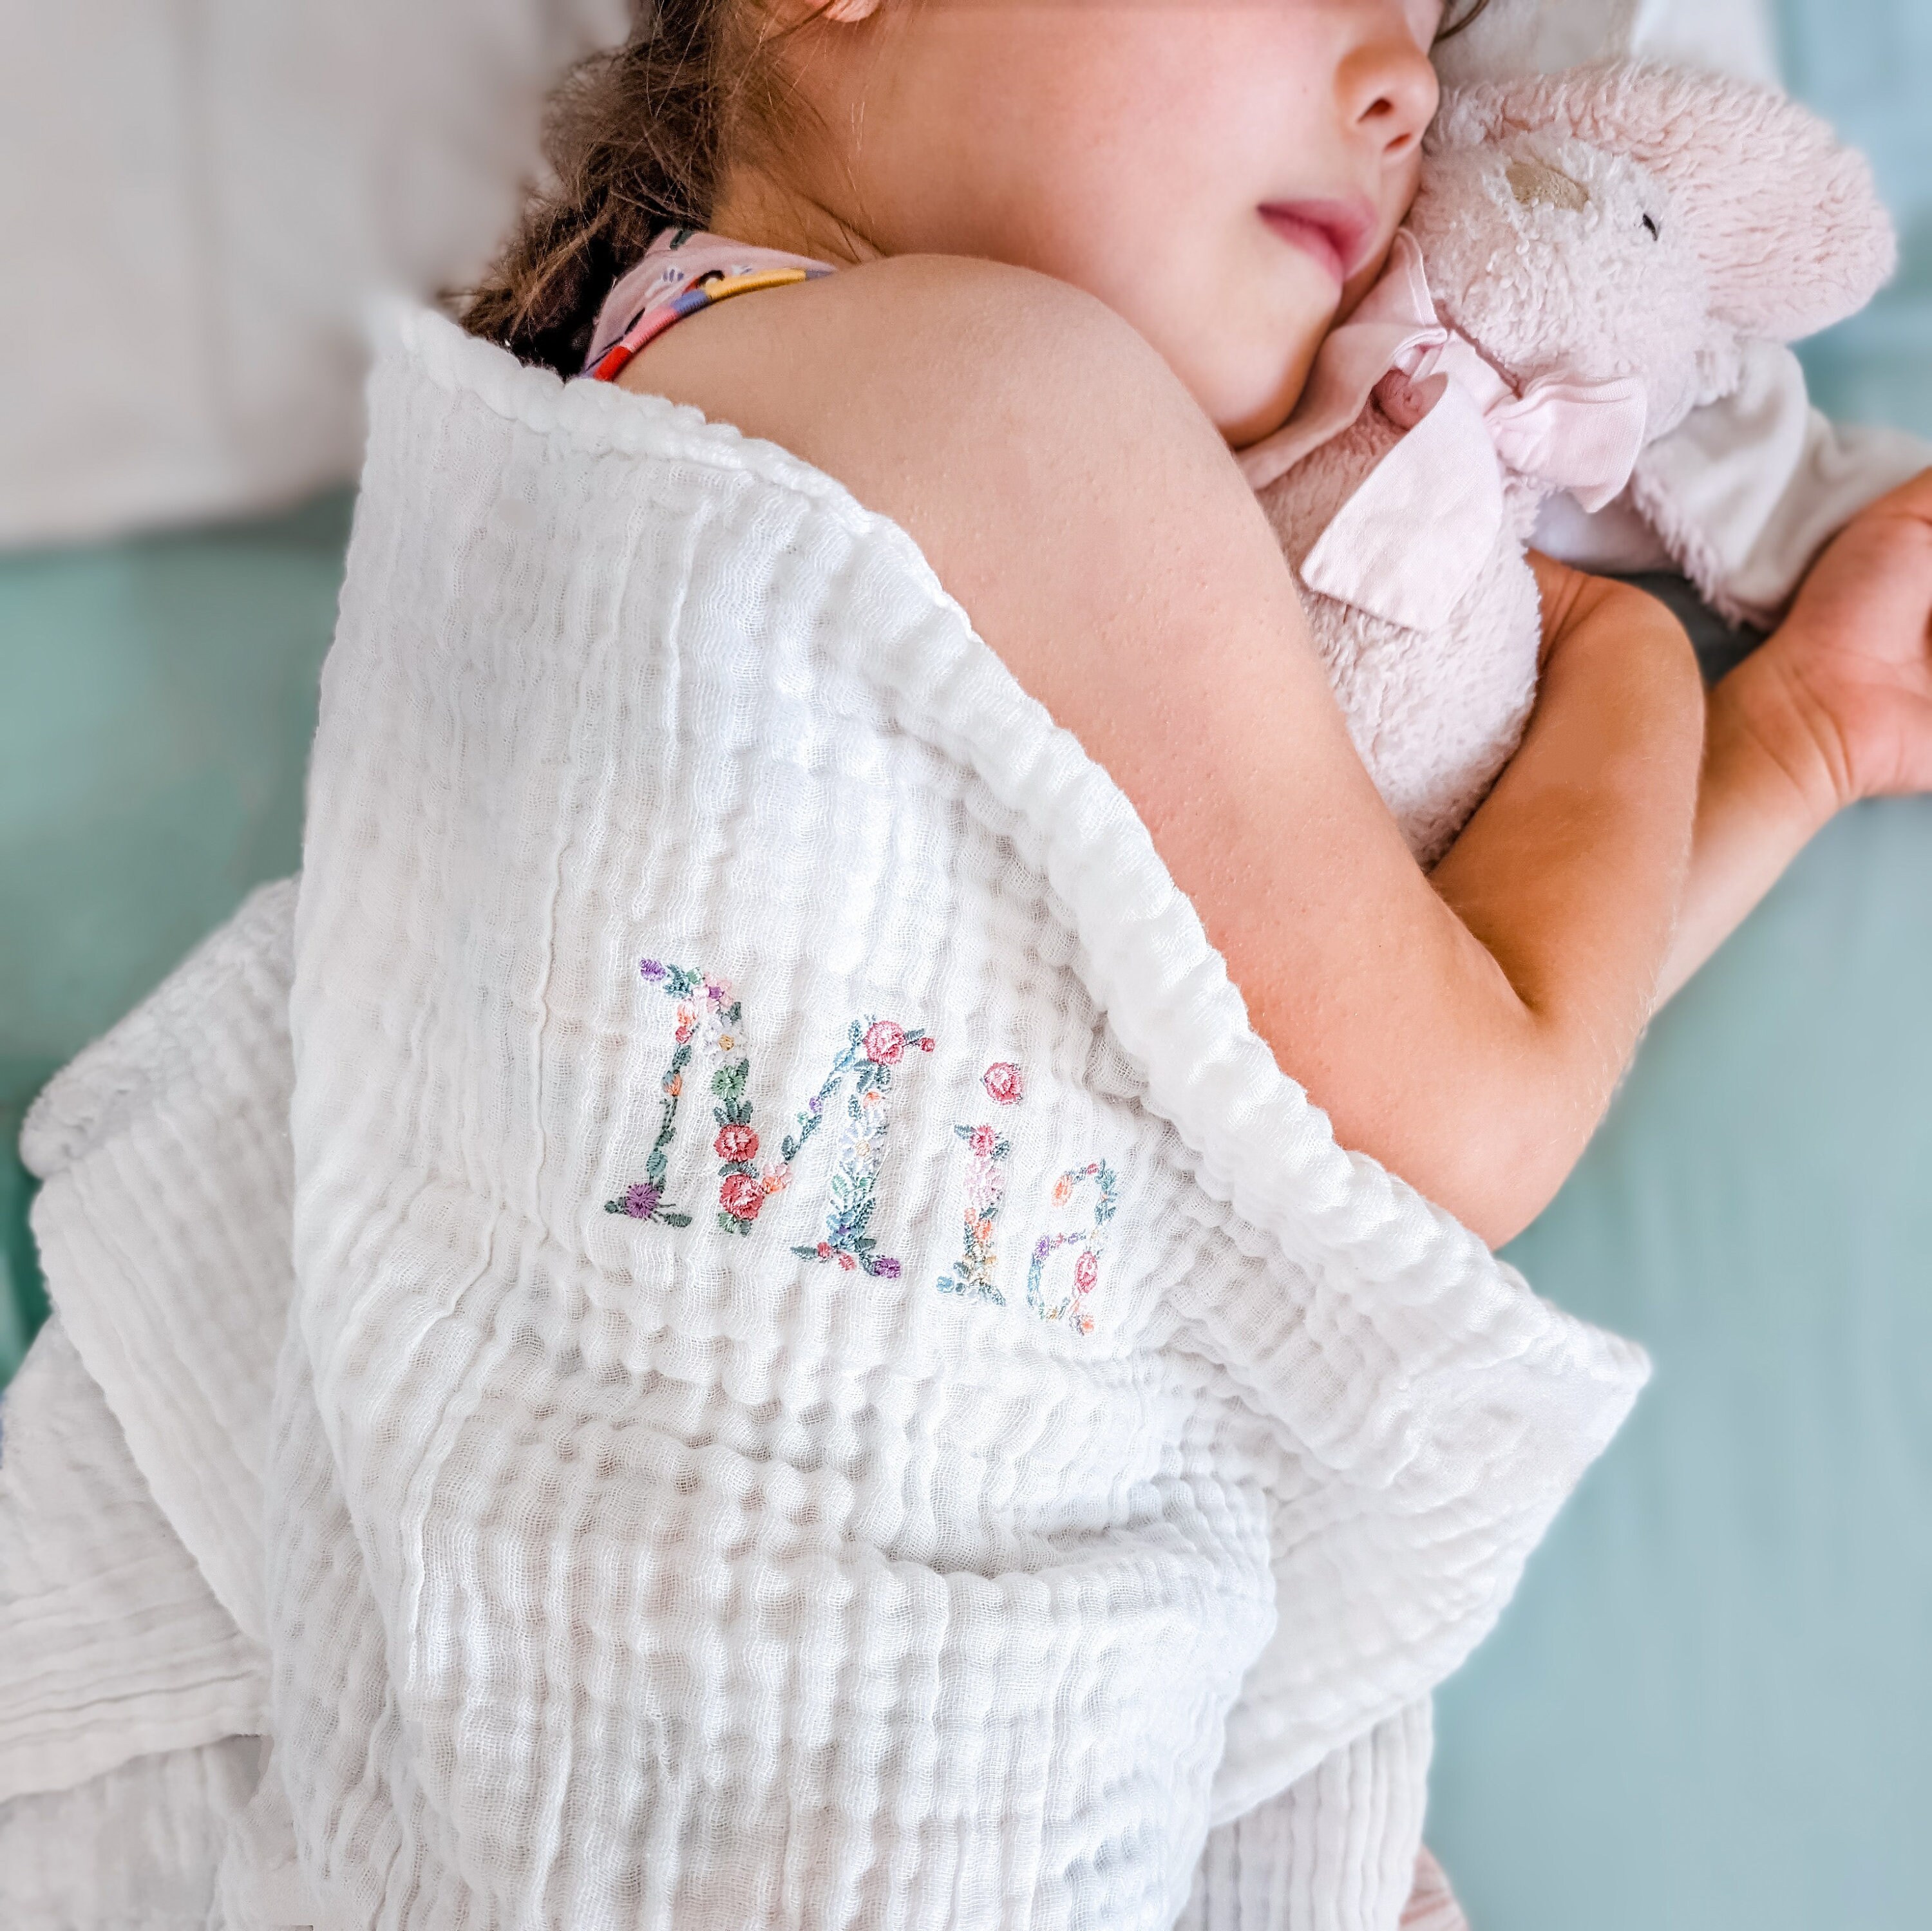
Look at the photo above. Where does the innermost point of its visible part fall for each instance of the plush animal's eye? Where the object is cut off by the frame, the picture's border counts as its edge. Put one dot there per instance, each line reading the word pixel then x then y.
pixel 1656 232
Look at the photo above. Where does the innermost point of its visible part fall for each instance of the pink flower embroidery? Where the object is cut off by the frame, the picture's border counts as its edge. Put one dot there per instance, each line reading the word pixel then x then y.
pixel 984 1140
pixel 735 1143
pixel 873 1049
pixel 1005 1082
pixel 1087 1246
pixel 742 1195
pixel 885 1043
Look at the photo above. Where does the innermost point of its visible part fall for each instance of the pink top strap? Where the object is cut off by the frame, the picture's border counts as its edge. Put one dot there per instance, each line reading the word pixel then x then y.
pixel 683 270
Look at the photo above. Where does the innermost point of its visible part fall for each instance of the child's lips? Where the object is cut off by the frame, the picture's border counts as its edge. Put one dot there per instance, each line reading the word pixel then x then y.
pixel 1337 234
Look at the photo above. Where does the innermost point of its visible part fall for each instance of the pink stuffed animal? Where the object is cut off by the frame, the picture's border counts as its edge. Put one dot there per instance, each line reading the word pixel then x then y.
pixel 1588 254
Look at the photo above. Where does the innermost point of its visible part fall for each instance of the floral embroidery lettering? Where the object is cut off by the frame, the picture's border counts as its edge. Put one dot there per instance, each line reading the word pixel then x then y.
pixel 875 1047
pixel 986 1192
pixel 1005 1084
pixel 709 1014
pixel 1072 1308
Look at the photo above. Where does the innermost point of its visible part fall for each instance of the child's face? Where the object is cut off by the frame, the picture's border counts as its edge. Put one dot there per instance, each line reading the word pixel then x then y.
pixel 1224 174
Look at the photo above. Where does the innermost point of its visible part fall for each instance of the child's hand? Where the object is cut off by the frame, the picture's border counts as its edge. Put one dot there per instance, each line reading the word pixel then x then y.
pixel 1844 687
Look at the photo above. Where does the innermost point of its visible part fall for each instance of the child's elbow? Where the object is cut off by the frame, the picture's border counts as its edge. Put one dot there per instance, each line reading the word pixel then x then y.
pixel 1506 1203
pixel 1497 1170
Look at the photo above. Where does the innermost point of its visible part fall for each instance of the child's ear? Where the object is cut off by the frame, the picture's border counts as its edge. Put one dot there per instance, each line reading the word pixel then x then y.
pixel 1786 218
pixel 789 14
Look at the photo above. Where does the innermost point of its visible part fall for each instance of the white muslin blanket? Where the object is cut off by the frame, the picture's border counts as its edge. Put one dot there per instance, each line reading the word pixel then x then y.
pixel 831 1379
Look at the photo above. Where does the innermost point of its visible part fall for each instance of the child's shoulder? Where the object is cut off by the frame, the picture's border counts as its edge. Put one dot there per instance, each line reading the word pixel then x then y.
pixel 930 343
pixel 1040 452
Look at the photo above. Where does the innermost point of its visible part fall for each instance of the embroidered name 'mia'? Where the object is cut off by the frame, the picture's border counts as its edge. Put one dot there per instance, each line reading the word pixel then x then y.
pixel 986 1190
pixel 1072 1305
pixel 710 1017
pixel 870 1055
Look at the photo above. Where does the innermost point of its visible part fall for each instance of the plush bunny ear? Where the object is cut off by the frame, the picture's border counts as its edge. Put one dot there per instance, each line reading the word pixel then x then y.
pixel 1786 218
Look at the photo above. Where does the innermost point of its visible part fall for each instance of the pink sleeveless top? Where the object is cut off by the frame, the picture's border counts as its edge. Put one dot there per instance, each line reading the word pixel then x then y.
pixel 683 270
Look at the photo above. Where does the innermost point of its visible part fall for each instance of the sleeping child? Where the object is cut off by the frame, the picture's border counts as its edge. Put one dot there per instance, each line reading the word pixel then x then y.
pixel 846 1227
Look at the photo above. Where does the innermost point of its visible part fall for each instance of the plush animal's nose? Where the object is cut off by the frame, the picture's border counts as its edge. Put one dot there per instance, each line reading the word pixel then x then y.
pixel 1535 184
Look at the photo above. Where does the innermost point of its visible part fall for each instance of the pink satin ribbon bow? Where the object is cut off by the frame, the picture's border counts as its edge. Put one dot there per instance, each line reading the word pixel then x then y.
pixel 1415 534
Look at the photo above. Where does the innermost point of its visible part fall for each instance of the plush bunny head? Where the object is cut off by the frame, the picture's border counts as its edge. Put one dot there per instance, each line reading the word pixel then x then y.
pixel 1642 221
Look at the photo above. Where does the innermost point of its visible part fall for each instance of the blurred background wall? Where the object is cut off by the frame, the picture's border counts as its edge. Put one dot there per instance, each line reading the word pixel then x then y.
pixel 1867 64
pixel 198 203
pixel 1710 1706
pixel 201 196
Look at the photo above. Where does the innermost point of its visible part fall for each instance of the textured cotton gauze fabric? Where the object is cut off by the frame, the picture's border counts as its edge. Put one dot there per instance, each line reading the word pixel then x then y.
pixel 164 1218
pixel 163 1224
pixel 108 1660
pixel 711 1480
pixel 1336 1851
pixel 136 1848
pixel 114 1647
pixel 682 1514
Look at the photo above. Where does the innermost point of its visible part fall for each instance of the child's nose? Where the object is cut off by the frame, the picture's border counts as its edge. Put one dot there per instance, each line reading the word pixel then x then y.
pixel 1389 91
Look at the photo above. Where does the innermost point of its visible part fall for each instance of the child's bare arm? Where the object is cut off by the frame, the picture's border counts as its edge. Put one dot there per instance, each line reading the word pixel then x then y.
pixel 1570 873
pixel 1836 707
pixel 1466 1031
pixel 1467 1028
pixel 1464 1027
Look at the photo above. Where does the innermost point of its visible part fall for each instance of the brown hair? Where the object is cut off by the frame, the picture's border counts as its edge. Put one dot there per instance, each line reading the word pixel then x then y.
pixel 1453 21
pixel 635 139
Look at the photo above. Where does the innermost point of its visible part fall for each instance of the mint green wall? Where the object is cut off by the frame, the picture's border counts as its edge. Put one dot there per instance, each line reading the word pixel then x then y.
pixel 1710 1707
pixel 1867 65
pixel 156 698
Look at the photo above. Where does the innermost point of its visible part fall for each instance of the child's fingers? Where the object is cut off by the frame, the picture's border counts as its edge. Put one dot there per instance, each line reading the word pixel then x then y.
pixel 1858 644
pixel 1871 590
pixel 1904 517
